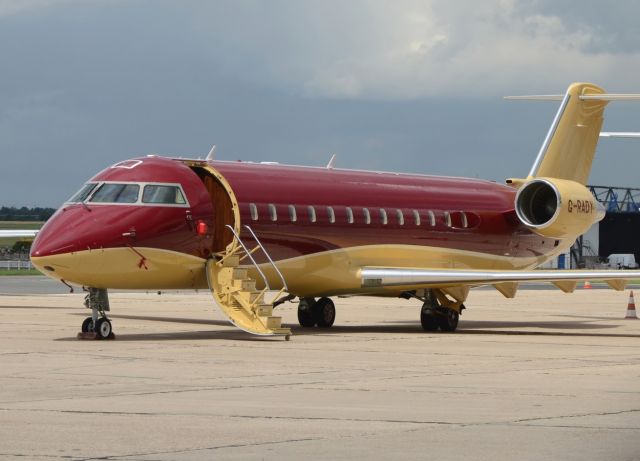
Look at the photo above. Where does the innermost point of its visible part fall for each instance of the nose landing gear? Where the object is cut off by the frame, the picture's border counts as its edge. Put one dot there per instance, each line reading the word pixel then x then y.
pixel 98 326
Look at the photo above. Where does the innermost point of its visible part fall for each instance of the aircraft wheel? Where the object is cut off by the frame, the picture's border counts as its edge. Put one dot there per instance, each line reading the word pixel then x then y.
pixel 87 325
pixel 306 314
pixel 103 328
pixel 325 312
pixel 428 319
pixel 448 322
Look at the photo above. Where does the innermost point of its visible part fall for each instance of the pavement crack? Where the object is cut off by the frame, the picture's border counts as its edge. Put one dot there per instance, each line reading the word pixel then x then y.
pixel 193 450
pixel 580 415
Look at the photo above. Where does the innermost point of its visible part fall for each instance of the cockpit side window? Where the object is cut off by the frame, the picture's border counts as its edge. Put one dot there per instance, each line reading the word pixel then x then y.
pixel 116 193
pixel 83 193
pixel 165 194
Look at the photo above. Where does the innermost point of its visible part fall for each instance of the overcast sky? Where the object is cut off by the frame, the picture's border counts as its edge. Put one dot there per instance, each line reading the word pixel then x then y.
pixel 392 85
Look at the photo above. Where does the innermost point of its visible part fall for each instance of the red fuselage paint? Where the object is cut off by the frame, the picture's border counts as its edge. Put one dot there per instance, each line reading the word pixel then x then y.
pixel 489 225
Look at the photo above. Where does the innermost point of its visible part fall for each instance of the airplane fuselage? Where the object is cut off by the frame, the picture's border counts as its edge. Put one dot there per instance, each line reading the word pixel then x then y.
pixel 319 224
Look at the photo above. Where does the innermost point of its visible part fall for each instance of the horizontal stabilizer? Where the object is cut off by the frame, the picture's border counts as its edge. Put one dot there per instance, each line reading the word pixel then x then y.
pixel 610 97
pixel 619 134
pixel 583 97
pixel 536 97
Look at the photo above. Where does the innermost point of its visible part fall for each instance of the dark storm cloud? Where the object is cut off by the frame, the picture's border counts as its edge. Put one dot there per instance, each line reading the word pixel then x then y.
pixel 413 87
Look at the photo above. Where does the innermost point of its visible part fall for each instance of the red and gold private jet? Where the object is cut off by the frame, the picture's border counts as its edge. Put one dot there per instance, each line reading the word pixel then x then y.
pixel 242 229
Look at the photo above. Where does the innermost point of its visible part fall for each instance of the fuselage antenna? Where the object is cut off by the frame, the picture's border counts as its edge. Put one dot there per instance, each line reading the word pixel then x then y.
pixel 211 153
pixel 332 162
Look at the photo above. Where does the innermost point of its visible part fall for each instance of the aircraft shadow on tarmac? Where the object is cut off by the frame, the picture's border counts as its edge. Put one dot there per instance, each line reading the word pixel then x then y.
pixel 481 327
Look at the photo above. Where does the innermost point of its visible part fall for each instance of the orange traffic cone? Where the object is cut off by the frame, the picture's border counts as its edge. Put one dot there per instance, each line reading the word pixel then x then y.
pixel 587 285
pixel 631 308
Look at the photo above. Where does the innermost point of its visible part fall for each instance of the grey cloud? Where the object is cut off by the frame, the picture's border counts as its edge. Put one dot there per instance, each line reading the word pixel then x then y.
pixel 85 84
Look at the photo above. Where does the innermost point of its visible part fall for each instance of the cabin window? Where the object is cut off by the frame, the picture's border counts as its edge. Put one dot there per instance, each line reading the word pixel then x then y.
pixel 331 215
pixel 116 193
pixel 273 214
pixel 253 209
pixel 400 216
pixel 367 215
pixel 292 213
pixel 432 218
pixel 312 213
pixel 163 194
pixel 447 218
pixel 416 217
pixel 349 215
pixel 83 193
pixel 383 216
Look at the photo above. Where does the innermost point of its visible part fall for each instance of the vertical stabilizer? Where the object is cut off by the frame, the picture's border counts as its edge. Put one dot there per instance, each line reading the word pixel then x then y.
pixel 568 150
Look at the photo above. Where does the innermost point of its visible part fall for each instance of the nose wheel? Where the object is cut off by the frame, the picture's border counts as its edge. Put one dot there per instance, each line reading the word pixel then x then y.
pixel 98 326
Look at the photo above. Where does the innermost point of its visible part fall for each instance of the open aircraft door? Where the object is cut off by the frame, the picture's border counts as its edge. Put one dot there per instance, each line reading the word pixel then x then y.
pixel 233 287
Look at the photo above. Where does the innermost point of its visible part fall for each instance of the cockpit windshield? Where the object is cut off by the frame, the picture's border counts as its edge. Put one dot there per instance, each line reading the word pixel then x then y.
pixel 128 193
pixel 116 193
pixel 83 193
pixel 156 193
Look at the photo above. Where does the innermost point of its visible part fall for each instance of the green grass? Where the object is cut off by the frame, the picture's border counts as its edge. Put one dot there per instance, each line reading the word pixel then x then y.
pixel 21 224
pixel 19 272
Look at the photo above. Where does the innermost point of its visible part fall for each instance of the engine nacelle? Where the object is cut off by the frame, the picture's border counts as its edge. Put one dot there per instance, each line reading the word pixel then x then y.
pixel 557 208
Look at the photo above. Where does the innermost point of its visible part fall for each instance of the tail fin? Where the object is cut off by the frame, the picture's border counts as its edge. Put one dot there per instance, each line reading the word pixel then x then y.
pixel 568 150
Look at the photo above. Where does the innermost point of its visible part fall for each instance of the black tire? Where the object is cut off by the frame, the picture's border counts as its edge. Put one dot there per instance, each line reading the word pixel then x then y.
pixel 103 328
pixel 428 320
pixel 448 322
pixel 306 314
pixel 325 312
pixel 87 325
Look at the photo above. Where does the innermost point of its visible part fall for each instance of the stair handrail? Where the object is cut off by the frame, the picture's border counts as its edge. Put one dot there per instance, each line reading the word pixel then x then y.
pixel 264 250
pixel 266 283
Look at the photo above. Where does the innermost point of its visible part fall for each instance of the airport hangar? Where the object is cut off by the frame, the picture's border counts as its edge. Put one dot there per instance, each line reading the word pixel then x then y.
pixel 615 234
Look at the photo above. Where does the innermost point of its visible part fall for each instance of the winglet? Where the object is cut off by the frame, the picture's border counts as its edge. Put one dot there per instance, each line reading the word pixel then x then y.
pixel 332 162
pixel 211 153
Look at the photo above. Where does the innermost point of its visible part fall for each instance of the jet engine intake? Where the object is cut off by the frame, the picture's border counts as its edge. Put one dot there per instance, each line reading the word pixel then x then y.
pixel 557 208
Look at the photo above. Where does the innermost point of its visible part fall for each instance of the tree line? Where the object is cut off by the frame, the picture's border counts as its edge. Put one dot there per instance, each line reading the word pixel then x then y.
pixel 25 214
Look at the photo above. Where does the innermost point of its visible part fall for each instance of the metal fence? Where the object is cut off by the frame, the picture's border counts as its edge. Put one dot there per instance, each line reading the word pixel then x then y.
pixel 16 264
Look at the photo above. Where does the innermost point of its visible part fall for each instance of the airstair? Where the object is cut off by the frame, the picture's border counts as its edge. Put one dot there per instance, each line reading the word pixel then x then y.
pixel 235 292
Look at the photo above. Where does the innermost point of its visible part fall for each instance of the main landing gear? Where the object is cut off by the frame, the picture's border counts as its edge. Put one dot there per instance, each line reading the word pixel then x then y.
pixel 97 326
pixel 439 313
pixel 321 312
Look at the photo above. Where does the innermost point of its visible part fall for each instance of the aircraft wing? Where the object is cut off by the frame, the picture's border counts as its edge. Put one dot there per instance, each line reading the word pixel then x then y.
pixel 18 233
pixel 504 281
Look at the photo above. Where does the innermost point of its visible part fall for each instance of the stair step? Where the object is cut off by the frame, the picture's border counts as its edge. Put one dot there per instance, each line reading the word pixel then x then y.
pixel 245 284
pixel 274 322
pixel 281 331
pixel 248 296
pixel 240 273
pixel 264 310
pixel 231 261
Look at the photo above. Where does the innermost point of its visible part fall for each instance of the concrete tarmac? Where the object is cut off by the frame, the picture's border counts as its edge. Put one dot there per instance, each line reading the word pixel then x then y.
pixel 543 376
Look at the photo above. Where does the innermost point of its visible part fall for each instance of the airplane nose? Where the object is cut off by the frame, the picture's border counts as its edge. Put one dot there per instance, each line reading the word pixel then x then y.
pixel 59 234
